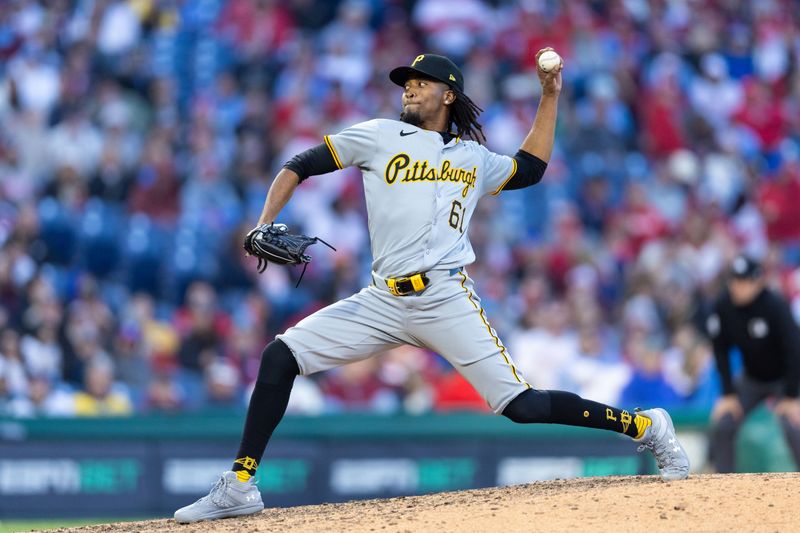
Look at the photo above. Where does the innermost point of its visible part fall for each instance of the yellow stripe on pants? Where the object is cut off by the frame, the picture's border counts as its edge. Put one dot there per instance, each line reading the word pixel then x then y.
pixel 489 329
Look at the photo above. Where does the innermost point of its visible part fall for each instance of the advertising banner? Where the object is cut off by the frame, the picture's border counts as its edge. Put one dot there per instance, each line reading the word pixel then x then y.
pixel 96 478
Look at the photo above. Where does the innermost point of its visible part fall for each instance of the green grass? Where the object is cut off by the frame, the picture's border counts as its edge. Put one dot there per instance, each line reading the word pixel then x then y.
pixel 12 526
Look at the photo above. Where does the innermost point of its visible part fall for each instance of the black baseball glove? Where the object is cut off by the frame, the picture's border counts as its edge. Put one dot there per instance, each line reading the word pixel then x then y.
pixel 272 243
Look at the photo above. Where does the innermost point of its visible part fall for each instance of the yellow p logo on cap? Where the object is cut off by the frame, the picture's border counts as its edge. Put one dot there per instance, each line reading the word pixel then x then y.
pixel 418 59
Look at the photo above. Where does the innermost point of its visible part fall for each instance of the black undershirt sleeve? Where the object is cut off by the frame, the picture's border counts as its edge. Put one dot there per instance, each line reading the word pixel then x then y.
pixel 313 162
pixel 530 170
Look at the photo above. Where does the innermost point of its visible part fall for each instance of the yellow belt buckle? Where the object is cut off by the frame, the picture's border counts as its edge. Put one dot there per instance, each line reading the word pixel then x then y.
pixel 398 281
pixel 392 284
pixel 417 283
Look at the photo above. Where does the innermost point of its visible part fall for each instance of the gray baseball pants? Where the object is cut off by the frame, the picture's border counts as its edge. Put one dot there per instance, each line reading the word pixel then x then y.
pixel 446 317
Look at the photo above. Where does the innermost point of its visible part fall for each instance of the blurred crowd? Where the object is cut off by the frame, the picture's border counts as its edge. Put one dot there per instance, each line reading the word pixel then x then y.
pixel 138 139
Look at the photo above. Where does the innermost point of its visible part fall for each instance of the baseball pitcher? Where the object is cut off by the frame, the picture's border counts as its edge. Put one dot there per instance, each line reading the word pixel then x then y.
pixel 423 176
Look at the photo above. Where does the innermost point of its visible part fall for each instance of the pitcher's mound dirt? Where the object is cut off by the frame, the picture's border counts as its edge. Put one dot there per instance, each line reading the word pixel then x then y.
pixel 733 502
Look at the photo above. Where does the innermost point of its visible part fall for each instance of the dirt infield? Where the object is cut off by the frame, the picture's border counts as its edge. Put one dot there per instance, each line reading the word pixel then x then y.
pixel 737 502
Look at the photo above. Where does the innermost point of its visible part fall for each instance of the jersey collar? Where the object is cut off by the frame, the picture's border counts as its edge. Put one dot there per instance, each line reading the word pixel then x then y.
pixel 449 139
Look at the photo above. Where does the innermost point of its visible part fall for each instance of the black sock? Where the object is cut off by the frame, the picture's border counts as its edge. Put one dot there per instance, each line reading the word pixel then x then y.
pixel 267 405
pixel 560 407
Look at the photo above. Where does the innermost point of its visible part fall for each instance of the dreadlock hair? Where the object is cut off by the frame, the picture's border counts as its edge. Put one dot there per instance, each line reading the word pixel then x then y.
pixel 464 116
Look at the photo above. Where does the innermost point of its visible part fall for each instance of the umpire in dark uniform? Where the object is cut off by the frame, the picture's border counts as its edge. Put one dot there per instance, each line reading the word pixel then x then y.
pixel 757 321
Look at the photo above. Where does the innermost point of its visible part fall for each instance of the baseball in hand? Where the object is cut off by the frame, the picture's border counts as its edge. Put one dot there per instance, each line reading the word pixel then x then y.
pixel 549 60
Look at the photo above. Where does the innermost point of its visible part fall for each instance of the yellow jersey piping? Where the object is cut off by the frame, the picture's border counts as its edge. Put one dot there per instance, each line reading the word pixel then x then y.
pixel 513 173
pixel 336 159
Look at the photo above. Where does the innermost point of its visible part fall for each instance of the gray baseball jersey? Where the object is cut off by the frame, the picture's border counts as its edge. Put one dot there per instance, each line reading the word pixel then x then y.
pixel 420 195
pixel 420 192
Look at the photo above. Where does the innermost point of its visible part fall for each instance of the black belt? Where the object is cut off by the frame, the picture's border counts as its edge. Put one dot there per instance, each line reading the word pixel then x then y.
pixel 406 285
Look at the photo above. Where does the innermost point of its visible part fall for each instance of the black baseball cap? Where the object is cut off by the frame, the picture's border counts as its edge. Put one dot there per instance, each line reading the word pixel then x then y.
pixel 744 267
pixel 433 66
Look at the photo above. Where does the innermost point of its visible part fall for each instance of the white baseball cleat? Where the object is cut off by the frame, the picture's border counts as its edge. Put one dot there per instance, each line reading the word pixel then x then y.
pixel 228 497
pixel 673 463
